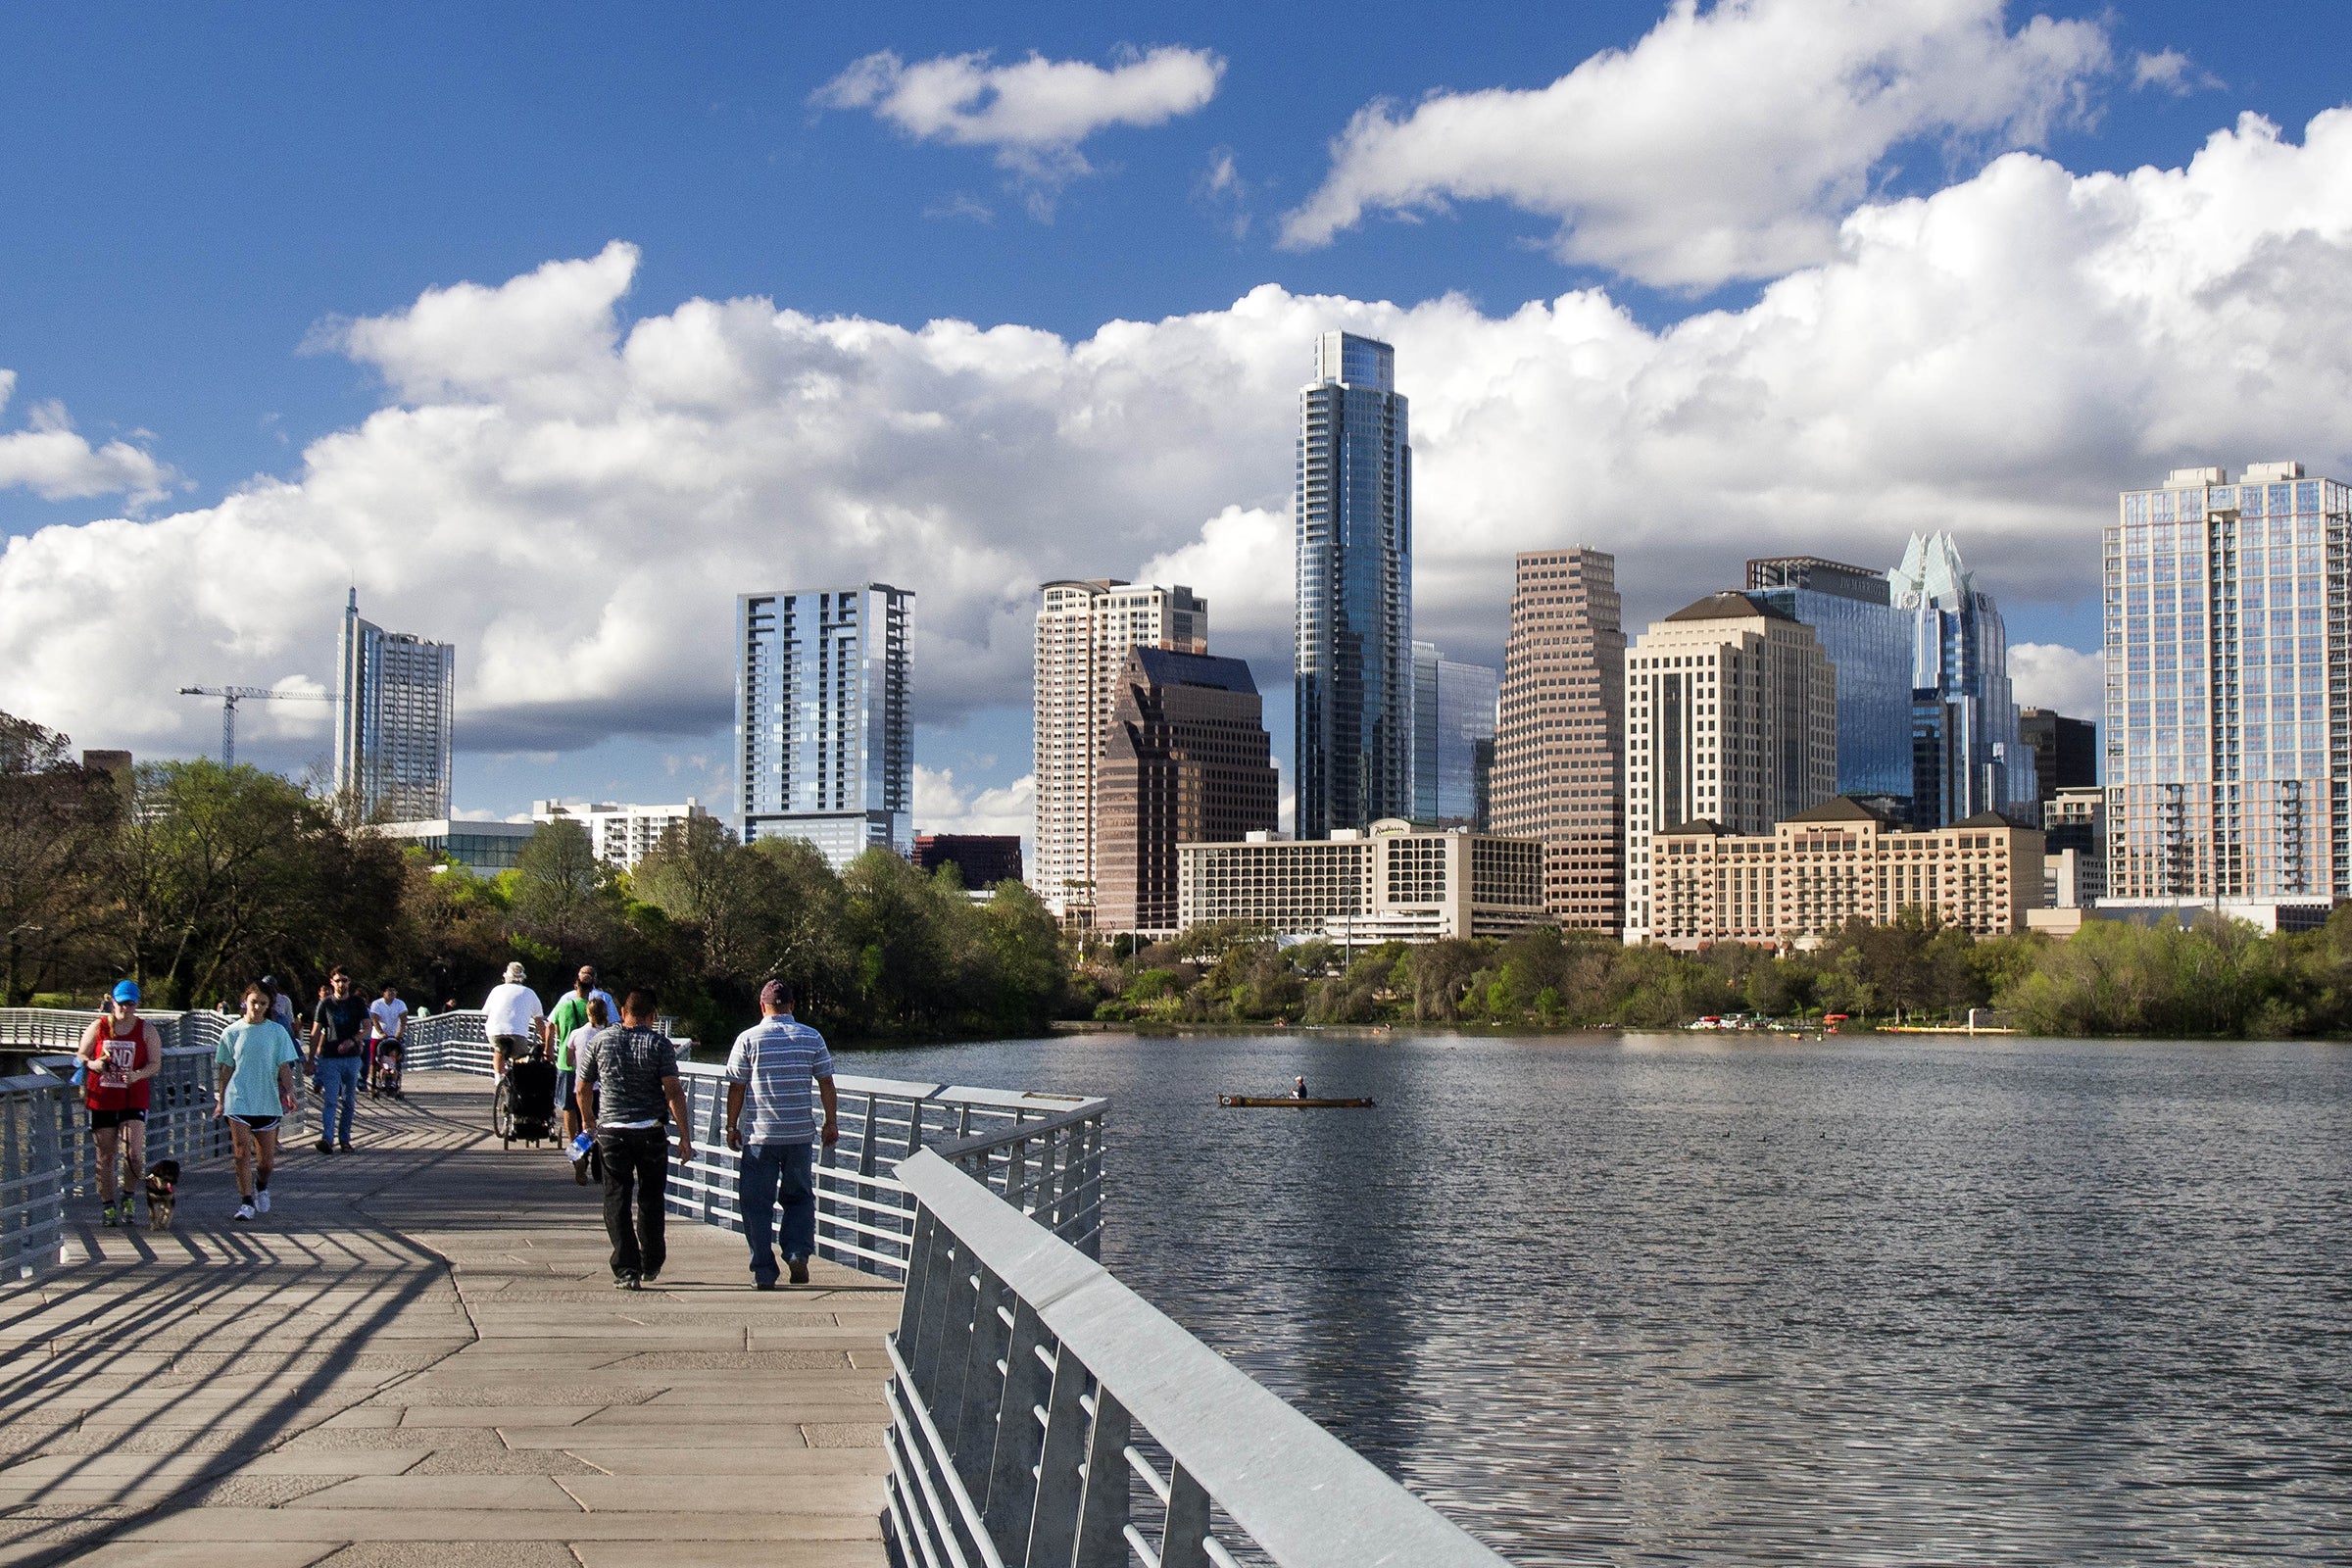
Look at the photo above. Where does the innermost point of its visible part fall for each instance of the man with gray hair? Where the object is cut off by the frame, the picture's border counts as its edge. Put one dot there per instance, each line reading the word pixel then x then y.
pixel 512 1019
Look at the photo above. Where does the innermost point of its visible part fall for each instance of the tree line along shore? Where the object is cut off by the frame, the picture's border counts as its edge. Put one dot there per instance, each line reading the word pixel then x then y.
pixel 204 878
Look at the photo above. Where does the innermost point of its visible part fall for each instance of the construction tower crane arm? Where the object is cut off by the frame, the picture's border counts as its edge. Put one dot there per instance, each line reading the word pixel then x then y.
pixel 230 696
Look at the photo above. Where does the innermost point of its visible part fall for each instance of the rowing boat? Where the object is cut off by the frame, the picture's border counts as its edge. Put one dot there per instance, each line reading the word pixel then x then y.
pixel 1259 1101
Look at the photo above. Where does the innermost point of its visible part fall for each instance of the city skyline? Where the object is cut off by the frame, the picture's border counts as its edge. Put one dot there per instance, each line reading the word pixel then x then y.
pixel 487 416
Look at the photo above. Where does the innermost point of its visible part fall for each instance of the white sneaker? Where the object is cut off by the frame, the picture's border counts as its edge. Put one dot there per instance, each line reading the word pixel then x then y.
pixel 244 1211
pixel 260 1203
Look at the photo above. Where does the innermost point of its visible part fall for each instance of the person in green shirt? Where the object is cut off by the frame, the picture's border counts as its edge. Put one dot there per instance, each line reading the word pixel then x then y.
pixel 570 1014
pixel 256 1058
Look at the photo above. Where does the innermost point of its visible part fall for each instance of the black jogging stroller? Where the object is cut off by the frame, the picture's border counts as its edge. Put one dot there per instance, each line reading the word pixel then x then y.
pixel 525 1108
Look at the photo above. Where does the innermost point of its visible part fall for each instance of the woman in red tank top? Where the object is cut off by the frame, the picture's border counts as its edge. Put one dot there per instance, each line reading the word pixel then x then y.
pixel 119 1053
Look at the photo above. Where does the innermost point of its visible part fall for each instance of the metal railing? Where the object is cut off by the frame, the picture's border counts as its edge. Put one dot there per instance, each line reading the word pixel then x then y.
pixel 46 1153
pixel 1041 1153
pixel 1031 1392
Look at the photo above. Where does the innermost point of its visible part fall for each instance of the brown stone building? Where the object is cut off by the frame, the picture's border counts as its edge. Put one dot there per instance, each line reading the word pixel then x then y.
pixel 1185 761
pixel 1559 747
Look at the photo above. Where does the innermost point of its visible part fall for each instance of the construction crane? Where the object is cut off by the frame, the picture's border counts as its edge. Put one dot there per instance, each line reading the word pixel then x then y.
pixel 230 696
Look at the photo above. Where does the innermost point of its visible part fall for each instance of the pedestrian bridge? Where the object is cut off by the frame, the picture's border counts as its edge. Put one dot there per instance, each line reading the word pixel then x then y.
pixel 418 1356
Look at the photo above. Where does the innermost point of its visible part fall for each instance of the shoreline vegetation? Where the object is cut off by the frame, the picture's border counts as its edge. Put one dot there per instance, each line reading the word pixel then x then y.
pixel 194 879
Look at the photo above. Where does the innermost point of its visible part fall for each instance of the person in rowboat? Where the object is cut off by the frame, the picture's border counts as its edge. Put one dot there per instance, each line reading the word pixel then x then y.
pixel 1298 1090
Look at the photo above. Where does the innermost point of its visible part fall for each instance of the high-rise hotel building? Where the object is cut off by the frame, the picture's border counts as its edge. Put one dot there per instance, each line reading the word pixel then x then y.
pixel 1084 630
pixel 1731 717
pixel 1353 688
pixel 2229 727
pixel 1559 742
pixel 824 733
pixel 394 708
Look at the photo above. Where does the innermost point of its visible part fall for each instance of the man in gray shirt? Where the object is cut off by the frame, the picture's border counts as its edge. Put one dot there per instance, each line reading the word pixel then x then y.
pixel 629 1087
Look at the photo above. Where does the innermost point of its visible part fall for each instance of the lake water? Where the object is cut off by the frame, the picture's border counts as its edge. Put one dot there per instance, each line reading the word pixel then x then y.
pixel 1674 1300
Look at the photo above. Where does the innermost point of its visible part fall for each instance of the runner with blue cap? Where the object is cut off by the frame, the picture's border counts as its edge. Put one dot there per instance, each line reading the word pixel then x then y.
pixel 119 1053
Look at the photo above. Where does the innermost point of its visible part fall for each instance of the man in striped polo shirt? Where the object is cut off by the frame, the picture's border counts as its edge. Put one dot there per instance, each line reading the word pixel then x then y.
pixel 769 1074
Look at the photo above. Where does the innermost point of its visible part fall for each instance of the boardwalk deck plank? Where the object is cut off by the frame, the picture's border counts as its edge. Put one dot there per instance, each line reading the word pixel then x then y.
pixel 417 1356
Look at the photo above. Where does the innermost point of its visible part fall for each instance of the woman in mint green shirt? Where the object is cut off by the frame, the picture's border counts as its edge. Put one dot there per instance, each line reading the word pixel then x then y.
pixel 256 1060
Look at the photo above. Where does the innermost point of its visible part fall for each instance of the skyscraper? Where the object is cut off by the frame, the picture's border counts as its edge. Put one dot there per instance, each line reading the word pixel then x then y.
pixel 1852 610
pixel 2228 751
pixel 1731 718
pixel 1084 630
pixel 395 702
pixel 2066 751
pixel 824 734
pixel 1453 740
pixel 1966 754
pixel 1352 690
pixel 1561 735
pixel 1185 761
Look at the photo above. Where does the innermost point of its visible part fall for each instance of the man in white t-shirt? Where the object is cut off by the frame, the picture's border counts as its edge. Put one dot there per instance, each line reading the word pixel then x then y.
pixel 390 1017
pixel 512 1019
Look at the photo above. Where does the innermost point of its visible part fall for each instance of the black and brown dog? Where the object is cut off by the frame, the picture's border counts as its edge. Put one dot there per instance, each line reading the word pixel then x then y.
pixel 163 1193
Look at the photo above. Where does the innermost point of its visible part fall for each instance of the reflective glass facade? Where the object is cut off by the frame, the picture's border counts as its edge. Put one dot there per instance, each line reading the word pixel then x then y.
pixel 1967 756
pixel 394 714
pixel 824 734
pixel 1453 739
pixel 2227 667
pixel 1868 640
pixel 1352 690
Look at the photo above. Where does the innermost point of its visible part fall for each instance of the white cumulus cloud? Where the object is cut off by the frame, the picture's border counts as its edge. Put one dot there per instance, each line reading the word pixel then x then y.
pixel 1034 111
pixel 942 806
pixel 1725 144
pixel 574 497
pixel 49 457
pixel 2061 678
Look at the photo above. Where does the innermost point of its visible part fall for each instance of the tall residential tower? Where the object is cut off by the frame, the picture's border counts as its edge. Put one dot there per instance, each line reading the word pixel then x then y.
pixel 1966 754
pixel 1084 629
pixel 1560 741
pixel 395 699
pixel 1352 690
pixel 2228 753
pixel 1453 740
pixel 824 734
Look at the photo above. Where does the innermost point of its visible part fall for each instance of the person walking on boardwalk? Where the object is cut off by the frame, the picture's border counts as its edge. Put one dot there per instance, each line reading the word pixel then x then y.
pixel 338 1049
pixel 256 1060
pixel 601 1016
pixel 512 1019
pixel 120 1052
pixel 770 1073
pixel 565 1022
pixel 633 1071
pixel 387 1037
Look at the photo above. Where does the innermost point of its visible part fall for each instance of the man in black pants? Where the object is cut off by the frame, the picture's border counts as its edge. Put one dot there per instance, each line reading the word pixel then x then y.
pixel 629 1086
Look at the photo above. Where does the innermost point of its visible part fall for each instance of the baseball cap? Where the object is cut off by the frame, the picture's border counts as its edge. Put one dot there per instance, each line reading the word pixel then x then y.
pixel 776 993
pixel 127 992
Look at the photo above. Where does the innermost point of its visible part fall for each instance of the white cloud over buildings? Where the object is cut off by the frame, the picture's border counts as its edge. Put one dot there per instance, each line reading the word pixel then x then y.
pixel 574 497
pixel 56 463
pixel 1728 142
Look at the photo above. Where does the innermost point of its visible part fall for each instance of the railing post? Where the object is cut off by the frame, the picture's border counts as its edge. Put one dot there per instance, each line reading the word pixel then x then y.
pixel 1183 1536
pixel 1102 1509
pixel 1053 1505
pixel 1009 1492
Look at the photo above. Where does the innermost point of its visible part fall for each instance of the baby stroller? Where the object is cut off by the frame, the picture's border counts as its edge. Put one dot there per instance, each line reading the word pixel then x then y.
pixel 525 1103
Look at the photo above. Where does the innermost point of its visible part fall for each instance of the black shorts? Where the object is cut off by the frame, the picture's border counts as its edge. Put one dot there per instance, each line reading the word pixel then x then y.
pixel 258 1124
pixel 101 1119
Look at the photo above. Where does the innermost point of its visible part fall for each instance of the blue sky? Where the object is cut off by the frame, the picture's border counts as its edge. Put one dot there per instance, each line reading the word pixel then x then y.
pixel 199 195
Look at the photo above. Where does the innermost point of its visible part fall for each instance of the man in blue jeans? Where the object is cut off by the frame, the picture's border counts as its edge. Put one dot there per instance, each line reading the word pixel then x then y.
pixel 770 1073
pixel 338 1049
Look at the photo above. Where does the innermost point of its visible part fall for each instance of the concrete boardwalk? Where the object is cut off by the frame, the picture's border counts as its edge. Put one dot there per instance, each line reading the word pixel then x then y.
pixel 417 1356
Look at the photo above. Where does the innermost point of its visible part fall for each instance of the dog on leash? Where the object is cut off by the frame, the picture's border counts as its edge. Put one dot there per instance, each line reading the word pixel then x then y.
pixel 163 1193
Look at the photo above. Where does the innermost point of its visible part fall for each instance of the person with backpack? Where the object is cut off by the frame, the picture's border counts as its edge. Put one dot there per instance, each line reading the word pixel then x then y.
pixel 119 1053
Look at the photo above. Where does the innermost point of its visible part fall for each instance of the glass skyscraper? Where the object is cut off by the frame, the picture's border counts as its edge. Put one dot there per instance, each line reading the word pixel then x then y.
pixel 2228 682
pixel 824 735
pixel 394 710
pixel 1851 611
pixel 1453 739
pixel 1966 752
pixel 1352 689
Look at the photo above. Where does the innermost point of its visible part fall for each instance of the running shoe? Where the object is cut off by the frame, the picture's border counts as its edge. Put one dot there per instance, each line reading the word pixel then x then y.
pixel 260 1203
pixel 343 1148
pixel 105 1215
pixel 244 1211
pixel 323 1147
pixel 626 1282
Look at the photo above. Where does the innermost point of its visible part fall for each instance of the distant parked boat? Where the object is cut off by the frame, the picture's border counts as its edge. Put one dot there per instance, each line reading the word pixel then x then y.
pixel 1257 1101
